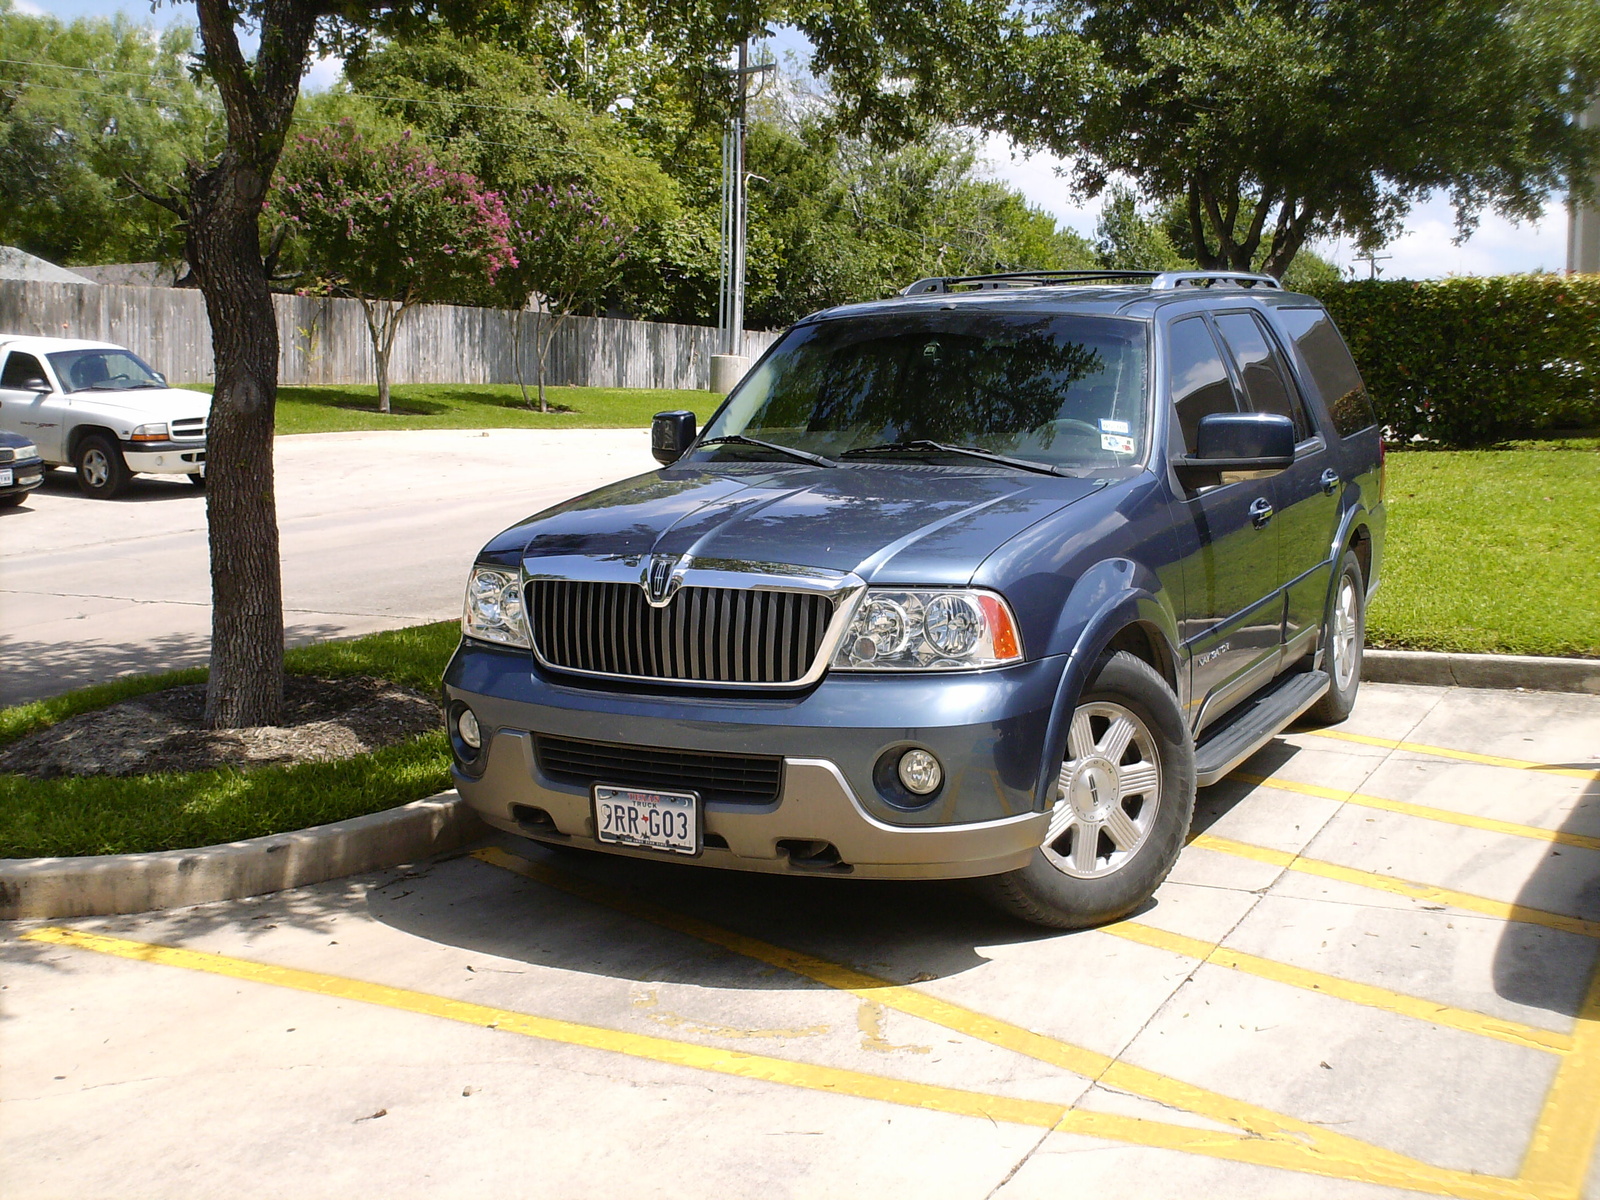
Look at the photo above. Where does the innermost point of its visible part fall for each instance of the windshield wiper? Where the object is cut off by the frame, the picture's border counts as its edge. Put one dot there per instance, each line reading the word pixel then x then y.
pixel 739 439
pixel 924 446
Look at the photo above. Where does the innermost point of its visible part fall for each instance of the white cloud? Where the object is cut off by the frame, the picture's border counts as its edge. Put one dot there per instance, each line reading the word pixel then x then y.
pixel 27 9
pixel 322 74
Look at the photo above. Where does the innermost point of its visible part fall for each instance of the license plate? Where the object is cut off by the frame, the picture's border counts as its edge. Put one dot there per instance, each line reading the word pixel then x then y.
pixel 655 820
pixel 5 477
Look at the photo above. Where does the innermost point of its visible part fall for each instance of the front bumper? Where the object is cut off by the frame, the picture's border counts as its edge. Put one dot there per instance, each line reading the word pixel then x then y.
pixel 987 729
pixel 165 458
pixel 25 476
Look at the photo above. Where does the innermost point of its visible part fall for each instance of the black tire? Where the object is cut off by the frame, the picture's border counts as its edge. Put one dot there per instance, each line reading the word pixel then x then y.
pixel 198 481
pixel 1045 892
pixel 1341 657
pixel 14 499
pixel 101 472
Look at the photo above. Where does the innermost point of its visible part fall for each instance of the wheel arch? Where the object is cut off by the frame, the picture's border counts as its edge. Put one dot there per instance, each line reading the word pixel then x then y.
pixel 76 437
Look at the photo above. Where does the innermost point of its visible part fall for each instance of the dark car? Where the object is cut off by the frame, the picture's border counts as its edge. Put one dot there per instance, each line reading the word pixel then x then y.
pixel 21 468
pixel 980 581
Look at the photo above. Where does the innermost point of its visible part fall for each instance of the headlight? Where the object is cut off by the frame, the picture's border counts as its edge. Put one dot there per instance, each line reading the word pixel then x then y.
pixel 929 630
pixel 494 607
pixel 156 432
pixel 22 452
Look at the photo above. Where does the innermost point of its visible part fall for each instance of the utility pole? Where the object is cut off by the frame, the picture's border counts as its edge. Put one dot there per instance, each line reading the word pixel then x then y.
pixel 728 367
pixel 1372 259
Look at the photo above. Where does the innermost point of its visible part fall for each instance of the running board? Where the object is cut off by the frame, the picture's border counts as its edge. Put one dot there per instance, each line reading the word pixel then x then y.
pixel 1255 723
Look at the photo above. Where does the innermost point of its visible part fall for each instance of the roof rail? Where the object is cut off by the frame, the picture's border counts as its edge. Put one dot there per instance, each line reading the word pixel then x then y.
pixel 1170 280
pixel 1011 279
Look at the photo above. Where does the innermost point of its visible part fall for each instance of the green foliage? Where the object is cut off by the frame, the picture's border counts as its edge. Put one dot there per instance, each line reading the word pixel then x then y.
pixel 1126 239
pixel 1491 552
pixel 1469 361
pixel 85 107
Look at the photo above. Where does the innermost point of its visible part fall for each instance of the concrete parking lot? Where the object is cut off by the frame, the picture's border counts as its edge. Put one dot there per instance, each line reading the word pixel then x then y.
pixel 1373 973
pixel 378 530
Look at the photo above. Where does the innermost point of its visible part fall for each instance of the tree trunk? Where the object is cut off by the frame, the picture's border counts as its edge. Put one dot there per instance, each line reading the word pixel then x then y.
pixel 543 331
pixel 516 353
pixel 224 250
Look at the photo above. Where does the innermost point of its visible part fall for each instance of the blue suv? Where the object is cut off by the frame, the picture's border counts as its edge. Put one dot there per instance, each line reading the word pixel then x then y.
pixel 976 582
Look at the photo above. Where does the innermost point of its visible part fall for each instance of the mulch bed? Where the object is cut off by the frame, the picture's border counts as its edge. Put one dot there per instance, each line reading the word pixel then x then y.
pixel 324 720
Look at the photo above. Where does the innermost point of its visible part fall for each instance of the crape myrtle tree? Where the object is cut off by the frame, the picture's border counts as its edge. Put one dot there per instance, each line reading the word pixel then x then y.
pixel 568 254
pixel 387 224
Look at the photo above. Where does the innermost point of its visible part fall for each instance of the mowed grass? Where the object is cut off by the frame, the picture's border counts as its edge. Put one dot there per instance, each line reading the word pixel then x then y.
pixel 341 409
pixel 99 815
pixel 1493 551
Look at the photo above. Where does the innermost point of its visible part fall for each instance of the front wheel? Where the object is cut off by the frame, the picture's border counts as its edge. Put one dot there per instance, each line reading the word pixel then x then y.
pixel 198 481
pixel 1344 632
pixel 1124 803
pixel 101 472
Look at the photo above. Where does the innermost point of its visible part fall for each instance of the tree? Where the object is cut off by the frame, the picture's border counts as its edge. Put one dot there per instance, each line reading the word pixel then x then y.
pixel 1126 239
pixel 84 106
pixel 386 224
pixel 568 252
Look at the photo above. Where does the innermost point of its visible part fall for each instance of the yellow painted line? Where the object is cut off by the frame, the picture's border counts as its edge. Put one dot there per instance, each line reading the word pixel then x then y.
pixel 1565 1134
pixel 1467 901
pixel 1488 760
pixel 1271 1139
pixel 1426 812
pixel 1366 994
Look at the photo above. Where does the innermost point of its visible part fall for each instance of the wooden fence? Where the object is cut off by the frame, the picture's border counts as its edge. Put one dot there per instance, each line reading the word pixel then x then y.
pixel 325 340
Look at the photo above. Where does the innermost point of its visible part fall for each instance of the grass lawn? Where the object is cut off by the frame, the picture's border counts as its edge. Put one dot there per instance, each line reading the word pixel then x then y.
pixel 100 815
pixel 1493 551
pixel 337 409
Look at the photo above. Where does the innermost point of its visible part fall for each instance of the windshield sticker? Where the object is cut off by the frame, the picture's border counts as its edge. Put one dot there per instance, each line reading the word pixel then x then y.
pixel 1108 426
pixel 1118 445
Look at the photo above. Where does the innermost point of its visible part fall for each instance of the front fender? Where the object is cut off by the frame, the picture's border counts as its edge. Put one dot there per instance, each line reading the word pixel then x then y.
pixel 1108 598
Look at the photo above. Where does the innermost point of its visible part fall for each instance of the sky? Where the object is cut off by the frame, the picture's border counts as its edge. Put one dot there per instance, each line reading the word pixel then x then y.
pixel 1426 250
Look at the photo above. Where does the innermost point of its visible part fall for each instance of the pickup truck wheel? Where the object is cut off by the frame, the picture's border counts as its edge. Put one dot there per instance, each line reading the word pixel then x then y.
pixel 1125 799
pixel 1344 632
pixel 101 472
pixel 198 481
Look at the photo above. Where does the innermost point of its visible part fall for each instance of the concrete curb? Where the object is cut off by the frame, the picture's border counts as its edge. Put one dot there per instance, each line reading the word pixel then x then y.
pixel 47 888
pixel 1482 671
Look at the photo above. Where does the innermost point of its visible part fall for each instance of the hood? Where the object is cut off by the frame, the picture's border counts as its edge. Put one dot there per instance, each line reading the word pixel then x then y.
pixel 895 524
pixel 141 405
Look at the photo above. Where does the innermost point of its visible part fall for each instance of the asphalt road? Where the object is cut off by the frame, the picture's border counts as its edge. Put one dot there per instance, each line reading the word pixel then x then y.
pixel 378 531
pixel 1372 974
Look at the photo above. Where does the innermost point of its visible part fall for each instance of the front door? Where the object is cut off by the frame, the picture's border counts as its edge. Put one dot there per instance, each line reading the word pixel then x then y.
pixel 1233 606
pixel 29 406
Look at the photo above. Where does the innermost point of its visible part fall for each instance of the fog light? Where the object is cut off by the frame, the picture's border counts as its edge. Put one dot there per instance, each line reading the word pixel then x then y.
pixel 920 772
pixel 467 726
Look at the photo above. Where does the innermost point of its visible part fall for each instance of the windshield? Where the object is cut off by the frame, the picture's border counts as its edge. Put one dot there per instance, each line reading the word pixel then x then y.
pixel 102 370
pixel 1063 391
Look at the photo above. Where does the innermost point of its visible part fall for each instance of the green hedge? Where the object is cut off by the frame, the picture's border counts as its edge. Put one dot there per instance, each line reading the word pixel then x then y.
pixel 1466 362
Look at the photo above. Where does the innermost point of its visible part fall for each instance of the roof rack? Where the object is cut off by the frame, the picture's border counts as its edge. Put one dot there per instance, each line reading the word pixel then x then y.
pixel 1156 280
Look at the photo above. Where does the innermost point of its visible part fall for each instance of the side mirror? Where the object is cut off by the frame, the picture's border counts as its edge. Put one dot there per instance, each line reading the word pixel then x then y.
pixel 160 378
pixel 670 435
pixel 1240 442
pixel 37 384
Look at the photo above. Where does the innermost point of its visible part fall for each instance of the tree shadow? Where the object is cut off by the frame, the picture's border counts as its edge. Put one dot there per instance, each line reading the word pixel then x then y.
pixel 343 399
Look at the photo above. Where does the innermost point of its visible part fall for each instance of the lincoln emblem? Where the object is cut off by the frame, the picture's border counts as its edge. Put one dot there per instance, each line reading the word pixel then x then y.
pixel 659 579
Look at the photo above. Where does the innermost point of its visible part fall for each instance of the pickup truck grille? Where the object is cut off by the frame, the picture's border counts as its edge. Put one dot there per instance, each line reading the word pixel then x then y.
pixel 730 778
pixel 703 635
pixel 190 429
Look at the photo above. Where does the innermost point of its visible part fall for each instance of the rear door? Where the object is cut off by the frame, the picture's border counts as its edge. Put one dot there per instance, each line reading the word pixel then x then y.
pixel 1306 496
pixel 26 409
pixel 1233 615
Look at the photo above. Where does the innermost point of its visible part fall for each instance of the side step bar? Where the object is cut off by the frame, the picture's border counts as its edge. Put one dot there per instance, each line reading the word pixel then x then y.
pixel 1255 723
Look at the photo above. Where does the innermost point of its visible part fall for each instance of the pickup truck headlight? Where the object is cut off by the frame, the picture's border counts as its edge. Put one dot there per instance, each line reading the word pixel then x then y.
pixel 493 610
pixel 929 630
pixel 155 432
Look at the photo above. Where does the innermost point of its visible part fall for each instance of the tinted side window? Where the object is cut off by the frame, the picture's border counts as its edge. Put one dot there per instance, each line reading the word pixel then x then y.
pixel 1200 383
pixel 1332 369
pixel 20 369
pixel 1267 387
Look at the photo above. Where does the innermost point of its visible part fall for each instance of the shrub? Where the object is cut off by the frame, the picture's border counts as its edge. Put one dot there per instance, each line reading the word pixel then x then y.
pixel 1468 361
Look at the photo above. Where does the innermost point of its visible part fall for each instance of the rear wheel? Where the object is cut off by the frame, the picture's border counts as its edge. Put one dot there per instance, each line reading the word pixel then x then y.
pixel 101 472
pixel 1124 802
pixel 1344 632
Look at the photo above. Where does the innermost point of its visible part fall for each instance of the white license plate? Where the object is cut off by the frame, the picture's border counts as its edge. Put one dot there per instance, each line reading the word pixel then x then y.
pixel 5 477
pixel 655 820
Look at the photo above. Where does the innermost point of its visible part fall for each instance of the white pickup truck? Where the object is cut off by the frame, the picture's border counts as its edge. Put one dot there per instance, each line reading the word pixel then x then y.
pixel 100 409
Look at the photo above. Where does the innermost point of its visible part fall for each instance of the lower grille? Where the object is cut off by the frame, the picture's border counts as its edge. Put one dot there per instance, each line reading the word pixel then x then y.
pixel 730 778
pixel 704 634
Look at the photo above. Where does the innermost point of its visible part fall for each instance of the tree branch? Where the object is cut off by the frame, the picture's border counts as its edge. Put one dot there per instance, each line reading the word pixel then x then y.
pixel 170 202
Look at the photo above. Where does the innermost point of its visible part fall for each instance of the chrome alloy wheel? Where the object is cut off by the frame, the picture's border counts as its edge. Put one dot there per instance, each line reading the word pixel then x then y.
pixel 1346 630
pixel 1110 791
pixel 96 467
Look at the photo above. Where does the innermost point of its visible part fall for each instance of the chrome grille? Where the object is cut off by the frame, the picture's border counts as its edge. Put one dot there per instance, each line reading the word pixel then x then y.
pixel 190 429
pixel 7 454
pixel 703 635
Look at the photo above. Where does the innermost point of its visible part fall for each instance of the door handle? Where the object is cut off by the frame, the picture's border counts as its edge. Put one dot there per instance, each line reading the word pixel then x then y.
pixel 1330 480
pixel 1261 512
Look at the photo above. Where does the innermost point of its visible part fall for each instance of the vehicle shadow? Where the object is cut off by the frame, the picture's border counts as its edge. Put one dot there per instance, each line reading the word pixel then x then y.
pixel 141 489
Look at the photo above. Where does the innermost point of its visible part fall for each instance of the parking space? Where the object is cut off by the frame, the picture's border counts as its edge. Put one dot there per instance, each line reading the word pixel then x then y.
pixel 377 531
pixel 1375 971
